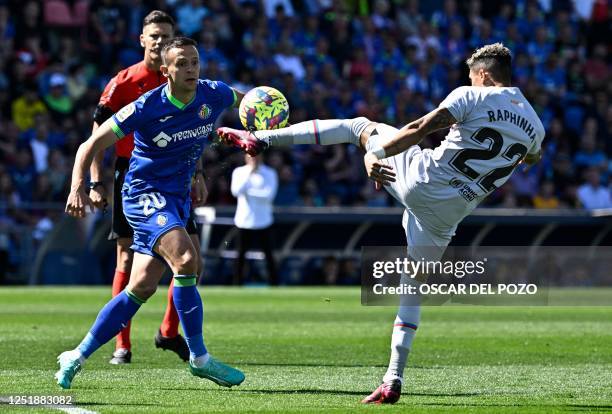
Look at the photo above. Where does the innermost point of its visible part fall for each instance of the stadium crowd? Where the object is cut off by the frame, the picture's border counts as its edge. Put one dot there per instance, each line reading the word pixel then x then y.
pixel 388 60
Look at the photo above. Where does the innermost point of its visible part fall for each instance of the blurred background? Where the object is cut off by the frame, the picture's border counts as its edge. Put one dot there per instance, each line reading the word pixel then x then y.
pixel 388 60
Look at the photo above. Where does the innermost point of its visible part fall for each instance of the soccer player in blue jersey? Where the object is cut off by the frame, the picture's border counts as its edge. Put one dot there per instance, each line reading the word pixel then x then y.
pixel 171 125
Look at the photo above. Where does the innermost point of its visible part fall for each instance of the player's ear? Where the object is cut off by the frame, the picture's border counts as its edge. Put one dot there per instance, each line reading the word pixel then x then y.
pixel 487 80
pixel 142 42
pixel 163 68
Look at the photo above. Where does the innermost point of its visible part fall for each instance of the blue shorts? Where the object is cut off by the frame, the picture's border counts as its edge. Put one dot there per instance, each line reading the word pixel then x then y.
pixel 151 214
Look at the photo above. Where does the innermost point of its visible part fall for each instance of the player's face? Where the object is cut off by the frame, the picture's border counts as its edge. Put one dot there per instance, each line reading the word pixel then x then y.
pixel 183 67
pixel 153 38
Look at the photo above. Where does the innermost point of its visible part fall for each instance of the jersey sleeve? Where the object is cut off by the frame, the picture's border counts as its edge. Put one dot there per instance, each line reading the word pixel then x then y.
pixel 536 145
pixel 111 96
pixel 128 119
pixel 226 94
pixel 460 102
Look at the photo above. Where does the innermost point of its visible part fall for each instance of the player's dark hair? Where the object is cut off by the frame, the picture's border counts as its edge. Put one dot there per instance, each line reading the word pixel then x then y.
pixel 158 16
pixel 494 58
pixel 177 42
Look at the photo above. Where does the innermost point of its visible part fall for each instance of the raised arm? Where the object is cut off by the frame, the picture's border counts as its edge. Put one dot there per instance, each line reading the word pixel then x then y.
pixel 102 138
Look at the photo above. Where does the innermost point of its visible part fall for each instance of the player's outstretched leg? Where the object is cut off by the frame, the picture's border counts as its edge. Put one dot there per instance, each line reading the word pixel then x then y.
pixel 125 257
pixel 245 140
pixel 168 337
pixel 317 131
pixel 123 346
pixel 189 307
pixel 404 330
pixel 112 318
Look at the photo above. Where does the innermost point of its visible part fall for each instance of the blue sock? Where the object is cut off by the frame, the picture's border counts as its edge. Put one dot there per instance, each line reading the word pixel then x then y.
pixel 111 319
pixel 188 305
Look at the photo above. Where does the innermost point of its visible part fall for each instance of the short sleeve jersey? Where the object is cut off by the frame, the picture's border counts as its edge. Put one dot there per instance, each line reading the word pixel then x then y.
pixel 127 86
pixel 496 127
pixel 169 136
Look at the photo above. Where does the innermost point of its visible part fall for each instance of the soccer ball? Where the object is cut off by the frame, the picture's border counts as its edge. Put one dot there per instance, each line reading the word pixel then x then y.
pixel 264 107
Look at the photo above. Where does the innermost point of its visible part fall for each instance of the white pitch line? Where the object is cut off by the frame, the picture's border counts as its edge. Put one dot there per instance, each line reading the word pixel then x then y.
pixel 65 408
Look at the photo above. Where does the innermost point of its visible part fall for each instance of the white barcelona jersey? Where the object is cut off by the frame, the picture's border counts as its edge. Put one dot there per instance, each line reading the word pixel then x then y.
pixel 496 127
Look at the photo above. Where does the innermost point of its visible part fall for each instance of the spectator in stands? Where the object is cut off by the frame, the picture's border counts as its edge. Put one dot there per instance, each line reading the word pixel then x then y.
pixel 32 55
pixel 108 30
pixel 189 17
pixel 444 19
pixel 589 155
pixel 287 61
pixel 288 194
pixel 7 31
pixel 58 173
pixel 40 146
pixel 564 177
pixel 255 186
pixel 23 174
pixel 271 7
pixel 8 195
pixel 26 107
pixel 592 194
pixel 546 197
pixel 29 22
pixel 76 83
pixel 596 69
pixel 58 101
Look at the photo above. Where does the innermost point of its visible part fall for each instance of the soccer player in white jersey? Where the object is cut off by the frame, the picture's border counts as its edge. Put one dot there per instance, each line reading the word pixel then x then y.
pixel 492 130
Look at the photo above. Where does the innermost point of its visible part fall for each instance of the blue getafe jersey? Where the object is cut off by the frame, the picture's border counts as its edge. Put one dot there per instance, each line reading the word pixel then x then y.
pixel 169 136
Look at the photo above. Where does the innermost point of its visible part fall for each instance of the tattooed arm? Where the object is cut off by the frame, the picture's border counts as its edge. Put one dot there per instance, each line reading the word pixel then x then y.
pixel 406 137
pixel 415 131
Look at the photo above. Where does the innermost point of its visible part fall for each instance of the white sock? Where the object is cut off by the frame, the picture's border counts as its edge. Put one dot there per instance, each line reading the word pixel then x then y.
pixel 404 330
pixel 200 361
pixel 77 354
pixel 317 131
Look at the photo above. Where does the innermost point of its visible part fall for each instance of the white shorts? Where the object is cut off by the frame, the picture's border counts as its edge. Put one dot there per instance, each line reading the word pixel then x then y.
pixel 427 236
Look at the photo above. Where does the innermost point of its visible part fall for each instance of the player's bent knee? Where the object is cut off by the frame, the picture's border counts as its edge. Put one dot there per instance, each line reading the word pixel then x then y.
pixel 186 263
pixel 142 289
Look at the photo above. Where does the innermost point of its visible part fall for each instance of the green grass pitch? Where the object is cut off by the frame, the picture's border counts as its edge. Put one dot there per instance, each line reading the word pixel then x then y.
pixel 314 350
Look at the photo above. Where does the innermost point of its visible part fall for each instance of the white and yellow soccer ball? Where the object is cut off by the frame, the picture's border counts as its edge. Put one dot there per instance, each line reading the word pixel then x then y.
pixel 264 107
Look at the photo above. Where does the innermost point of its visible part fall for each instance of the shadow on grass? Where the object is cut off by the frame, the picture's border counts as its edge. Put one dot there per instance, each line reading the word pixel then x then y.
pixel 118 404
pixel 568 407
pixel 445 394
pixel 590 408
pixel 281 364
pixel 344 392
pixel 320 392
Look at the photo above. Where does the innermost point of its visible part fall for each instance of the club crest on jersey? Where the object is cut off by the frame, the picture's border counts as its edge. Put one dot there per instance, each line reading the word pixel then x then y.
pixel 455 182
pixel 162 220
pixel 126 112
pixel 162 139
pixel 204 111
